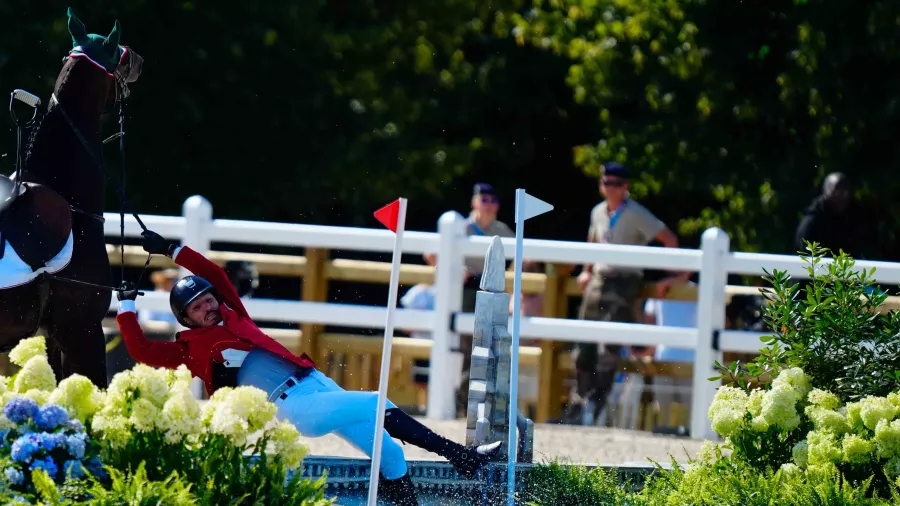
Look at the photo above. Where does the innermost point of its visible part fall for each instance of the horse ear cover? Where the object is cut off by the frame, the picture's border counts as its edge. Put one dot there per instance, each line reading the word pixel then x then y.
pixel 77 29
pixel 112 40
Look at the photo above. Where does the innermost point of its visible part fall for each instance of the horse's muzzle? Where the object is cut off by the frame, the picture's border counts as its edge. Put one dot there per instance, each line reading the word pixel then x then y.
pixel 130 70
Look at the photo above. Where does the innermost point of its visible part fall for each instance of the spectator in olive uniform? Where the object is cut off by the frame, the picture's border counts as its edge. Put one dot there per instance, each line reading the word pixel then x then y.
pixel 611 293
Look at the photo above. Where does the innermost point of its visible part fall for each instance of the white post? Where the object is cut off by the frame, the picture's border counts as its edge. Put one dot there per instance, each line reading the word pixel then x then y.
pixel 512 445
pixel 386 353
pixel 710 319
pixel 197 212
pixel 448 281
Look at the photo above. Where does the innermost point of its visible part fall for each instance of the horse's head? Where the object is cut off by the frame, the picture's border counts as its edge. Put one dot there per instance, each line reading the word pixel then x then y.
pixel 120 64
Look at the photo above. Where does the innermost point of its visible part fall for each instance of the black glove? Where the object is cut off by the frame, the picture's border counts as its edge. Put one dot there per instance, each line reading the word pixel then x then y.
pixel 155 244
pixel 128 292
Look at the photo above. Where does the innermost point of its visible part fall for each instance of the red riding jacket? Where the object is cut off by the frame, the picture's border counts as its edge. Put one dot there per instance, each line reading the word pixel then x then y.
pixel 199 348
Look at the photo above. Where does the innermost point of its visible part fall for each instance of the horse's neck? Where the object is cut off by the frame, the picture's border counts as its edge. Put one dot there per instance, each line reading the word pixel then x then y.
pixel 57 157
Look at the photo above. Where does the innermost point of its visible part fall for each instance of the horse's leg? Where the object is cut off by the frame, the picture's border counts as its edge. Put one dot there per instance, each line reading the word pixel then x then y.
pixel 76 311
pixel 74 323
pixel 19 313
pixel 83 348
pixel 54 356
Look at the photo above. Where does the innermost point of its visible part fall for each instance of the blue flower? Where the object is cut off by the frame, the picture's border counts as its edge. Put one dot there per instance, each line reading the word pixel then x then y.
pixel 14 476
pixel 46 464
pixel 76 446
pixel 24 446
pixel 51 416
pixel 95 467
pixel 49 441
pixel 75 424
pixel 20 409
pixel 74 469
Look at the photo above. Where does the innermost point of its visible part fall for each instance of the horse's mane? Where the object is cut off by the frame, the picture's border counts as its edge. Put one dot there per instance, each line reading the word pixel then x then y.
pixel 40 126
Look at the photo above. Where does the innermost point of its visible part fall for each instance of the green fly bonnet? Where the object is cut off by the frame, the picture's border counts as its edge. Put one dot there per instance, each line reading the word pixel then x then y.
pixel 105 52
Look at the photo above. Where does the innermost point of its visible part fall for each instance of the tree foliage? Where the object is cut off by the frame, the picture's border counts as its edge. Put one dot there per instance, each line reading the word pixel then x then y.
pixel 751 103
pixel 316 111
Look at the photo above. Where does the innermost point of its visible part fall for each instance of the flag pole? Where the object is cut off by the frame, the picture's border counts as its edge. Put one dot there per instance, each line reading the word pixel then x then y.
pixel 386 352
pixel 526 207
pixel 512 443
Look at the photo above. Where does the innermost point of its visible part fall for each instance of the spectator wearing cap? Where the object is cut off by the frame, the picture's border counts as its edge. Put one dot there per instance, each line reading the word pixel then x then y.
pixel 611 292
pixel 482 221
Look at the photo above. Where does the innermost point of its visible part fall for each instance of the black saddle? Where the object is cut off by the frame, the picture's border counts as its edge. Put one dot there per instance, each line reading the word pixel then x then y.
pixel 35 220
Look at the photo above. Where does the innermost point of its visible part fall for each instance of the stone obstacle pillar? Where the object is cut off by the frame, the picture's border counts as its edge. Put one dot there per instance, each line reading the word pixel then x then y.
pixel 488 405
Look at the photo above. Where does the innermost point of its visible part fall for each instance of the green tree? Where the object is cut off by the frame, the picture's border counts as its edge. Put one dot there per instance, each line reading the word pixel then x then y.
pixel 742 107
pixel 315 111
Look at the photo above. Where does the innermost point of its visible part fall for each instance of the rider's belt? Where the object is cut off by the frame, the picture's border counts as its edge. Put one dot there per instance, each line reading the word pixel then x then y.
pixel 280 394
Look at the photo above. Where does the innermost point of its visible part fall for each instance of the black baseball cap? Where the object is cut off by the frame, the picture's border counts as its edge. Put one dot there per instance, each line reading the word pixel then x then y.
pixel 483 189
pixel 614 169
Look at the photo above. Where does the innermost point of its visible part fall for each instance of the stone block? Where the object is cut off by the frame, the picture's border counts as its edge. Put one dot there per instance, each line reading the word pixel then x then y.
pixel 486 408
pixel 501 341
pixel 481 363
pixel 500 414
pixel 482 334
pixel 482 432
pixel 500 333
pixel 528 453
pixel 501 381
pixel 500 309
pixel 471 413
pixel 477 390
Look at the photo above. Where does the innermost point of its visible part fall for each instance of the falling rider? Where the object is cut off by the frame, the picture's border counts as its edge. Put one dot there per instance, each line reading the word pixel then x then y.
pixel 225 348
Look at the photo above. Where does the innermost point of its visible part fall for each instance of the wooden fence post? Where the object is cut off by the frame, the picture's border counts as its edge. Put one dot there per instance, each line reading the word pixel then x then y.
pixel 549 382
pixel 315 289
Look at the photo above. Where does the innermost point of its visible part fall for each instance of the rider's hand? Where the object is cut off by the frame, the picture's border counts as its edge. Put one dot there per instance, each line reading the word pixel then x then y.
pixel 155 244
pixel 129 292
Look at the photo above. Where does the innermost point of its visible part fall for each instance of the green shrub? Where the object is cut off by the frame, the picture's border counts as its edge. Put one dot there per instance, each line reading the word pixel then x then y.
pixel 711 480
pixel 562 485
pixel 831 328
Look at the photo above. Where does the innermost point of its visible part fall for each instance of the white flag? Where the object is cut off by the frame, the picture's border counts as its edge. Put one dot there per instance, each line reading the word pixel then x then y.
pixel 534 207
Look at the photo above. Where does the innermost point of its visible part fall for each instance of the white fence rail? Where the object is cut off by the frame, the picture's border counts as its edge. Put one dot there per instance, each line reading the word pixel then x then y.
pixel 714 261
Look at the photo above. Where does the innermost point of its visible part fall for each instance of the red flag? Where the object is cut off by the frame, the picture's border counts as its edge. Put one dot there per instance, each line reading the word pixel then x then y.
pixel 388 215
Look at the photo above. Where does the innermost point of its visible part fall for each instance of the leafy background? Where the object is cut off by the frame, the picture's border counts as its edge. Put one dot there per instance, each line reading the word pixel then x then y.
pixel 321 111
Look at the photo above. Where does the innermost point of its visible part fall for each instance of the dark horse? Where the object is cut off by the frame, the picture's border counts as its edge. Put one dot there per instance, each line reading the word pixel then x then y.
pixel 54 261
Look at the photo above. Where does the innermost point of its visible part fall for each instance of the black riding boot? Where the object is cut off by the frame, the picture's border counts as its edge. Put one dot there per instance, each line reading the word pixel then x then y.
pixel 399 492
pixel 467 461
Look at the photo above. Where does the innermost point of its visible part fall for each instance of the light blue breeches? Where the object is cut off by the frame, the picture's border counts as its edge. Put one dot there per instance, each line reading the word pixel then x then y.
pixel 318 406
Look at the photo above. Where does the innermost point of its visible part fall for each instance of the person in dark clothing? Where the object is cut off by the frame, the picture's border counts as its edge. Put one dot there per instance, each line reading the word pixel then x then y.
pixel 832 220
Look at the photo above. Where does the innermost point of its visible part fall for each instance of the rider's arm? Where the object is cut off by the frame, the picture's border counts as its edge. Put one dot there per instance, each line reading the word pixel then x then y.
pixel 152 353
pixel 209 270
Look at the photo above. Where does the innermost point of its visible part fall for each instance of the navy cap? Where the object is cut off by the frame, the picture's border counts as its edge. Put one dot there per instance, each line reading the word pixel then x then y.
pixel 614 169
pixel 483 189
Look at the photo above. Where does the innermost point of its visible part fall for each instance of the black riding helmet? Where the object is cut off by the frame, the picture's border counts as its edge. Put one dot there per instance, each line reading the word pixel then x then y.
pixel 185 291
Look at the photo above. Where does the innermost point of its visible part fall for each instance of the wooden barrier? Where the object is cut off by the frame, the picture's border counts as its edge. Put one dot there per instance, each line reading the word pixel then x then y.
pixel 353 361
pixel 359 370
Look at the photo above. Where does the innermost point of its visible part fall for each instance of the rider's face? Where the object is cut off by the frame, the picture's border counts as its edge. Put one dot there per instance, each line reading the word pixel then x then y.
pixel 204 311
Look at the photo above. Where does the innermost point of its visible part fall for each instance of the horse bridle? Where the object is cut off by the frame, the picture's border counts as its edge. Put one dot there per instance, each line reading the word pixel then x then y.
pixel 122 78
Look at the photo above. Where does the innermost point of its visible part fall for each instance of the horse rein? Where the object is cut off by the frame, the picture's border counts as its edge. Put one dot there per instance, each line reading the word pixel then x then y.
pixel 121 82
